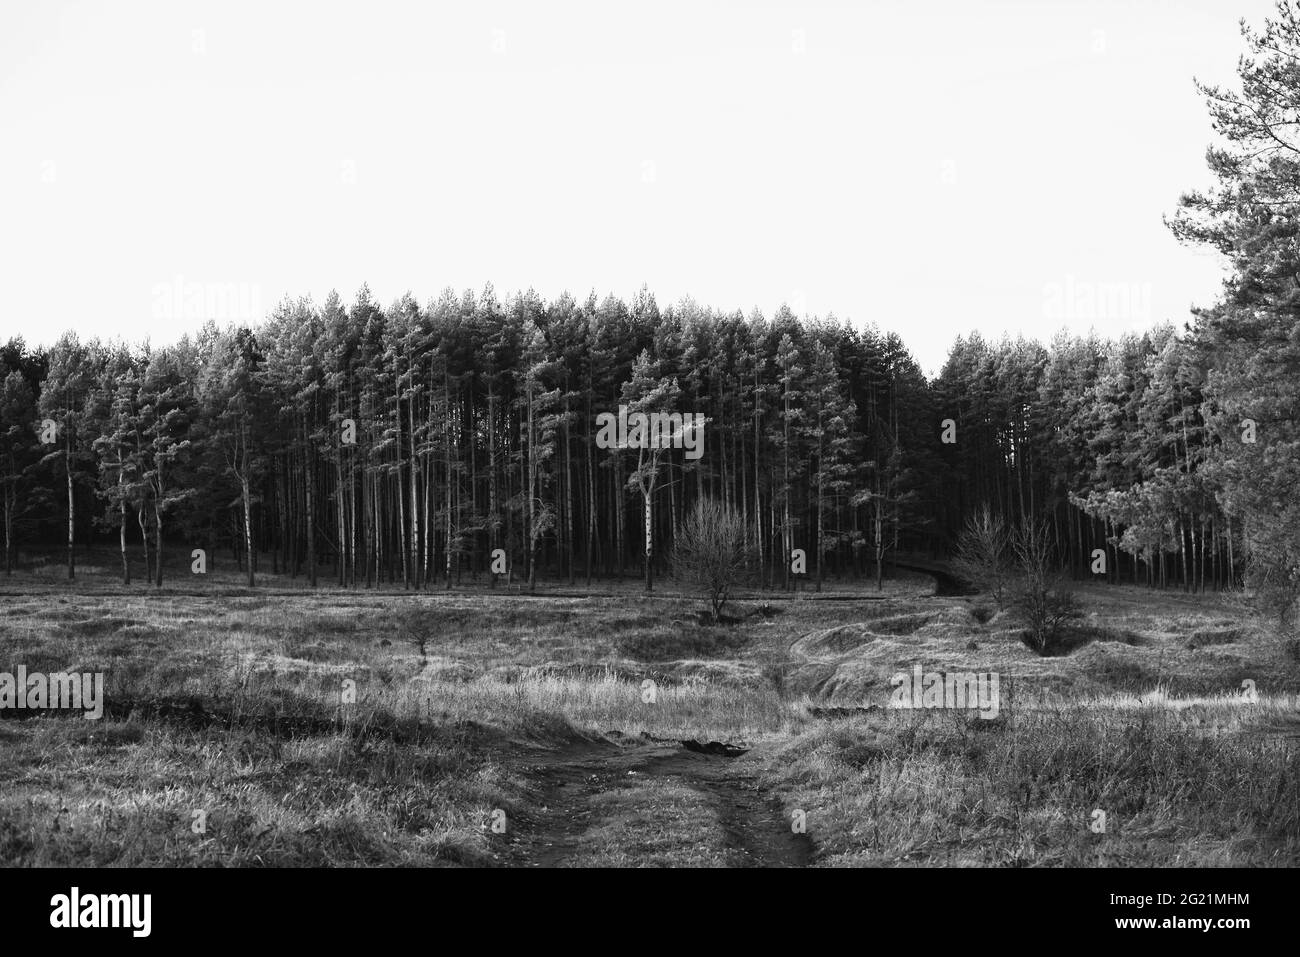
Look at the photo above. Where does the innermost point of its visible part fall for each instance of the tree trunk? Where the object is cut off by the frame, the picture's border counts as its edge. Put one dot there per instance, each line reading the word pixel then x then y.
pixel 787 541
pixel 158 542
pixel 121 528
pixel 879 529
pixel 568 493
pixel 1232 565
pixel 758 502
pixel 649 579
pixel 532 494
pixel 248 527
pixel 311 512
pixel 144 544
pixel 591 498
pixel 67 458
pixel 416 571
pixel 9 533
pixel 820 523
pixel 448 438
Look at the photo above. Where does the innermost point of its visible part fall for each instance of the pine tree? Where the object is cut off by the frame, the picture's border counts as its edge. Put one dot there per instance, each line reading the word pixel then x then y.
pixel 538 407
pixel 112 411
pixel 1248 341
pixel 166 408
pixel 648 393
pixel 62 399
pixel 19 452
pixel 236 414
pixel 784 438
pixel 829 415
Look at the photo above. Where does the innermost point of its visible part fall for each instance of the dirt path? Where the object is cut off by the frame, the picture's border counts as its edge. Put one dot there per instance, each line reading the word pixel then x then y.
pixel 574 786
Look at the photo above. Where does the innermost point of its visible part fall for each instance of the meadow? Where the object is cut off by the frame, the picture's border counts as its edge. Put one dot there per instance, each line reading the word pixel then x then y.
pixel 480 727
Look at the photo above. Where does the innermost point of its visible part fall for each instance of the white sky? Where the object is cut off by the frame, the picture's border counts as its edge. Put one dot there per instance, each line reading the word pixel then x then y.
pixel 933 167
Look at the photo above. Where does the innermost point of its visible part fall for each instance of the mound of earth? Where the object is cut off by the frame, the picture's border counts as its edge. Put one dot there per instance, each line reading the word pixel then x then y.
pixel 899 625
pixel 952 622
pixel 856 683
pixel 448 670
pixel 835 641
pixel 734 674
pixel 1070 638
pixel 852 683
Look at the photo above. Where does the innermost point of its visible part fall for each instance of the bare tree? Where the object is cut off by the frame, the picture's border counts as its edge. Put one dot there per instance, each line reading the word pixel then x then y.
pixel 984 555
pixel 1041 593
pixel 712 552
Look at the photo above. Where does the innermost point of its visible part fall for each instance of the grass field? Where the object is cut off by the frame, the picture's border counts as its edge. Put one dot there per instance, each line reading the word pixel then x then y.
pixel 492 728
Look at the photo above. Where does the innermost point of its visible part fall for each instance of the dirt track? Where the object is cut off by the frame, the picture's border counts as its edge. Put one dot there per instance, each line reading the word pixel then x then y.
pixel 754 830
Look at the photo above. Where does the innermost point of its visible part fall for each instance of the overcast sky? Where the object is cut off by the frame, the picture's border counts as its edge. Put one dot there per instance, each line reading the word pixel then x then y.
pixel 932 167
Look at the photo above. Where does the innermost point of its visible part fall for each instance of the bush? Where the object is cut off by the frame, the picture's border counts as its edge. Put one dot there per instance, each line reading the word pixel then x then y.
pixel 982 559
pixel 1041 594
pixel 712 553
pixel 1273 575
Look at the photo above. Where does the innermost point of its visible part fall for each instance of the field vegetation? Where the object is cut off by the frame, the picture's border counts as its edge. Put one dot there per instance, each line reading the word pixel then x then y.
pixel 492 728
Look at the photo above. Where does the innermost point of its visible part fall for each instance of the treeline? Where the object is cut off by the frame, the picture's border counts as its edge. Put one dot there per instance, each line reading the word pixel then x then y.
pixel 408 444
pixel 1106 441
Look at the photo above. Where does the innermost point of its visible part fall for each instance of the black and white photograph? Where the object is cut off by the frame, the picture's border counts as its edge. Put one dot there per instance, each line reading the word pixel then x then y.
pixel 448 438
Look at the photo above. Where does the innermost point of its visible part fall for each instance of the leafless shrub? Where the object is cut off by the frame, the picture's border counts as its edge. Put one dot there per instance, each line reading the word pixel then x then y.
pixel 712 553
pixel 1041 593
pixel 983 557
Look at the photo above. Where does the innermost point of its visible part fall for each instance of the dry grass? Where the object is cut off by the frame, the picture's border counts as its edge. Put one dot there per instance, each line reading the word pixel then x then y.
pixel 229 702
pixel 1193 787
